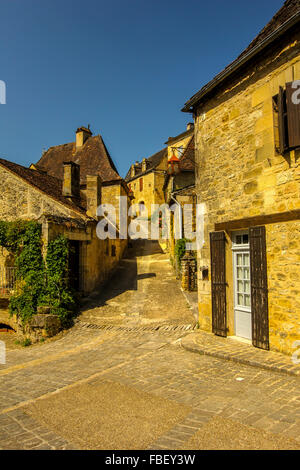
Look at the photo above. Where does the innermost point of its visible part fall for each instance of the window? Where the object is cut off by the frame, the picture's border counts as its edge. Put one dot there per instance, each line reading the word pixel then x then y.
pixel 286 119
pixel 242 239
pixel 141 184
pixel 113 250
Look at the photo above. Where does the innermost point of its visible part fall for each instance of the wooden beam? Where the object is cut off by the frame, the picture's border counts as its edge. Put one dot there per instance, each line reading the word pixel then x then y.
pixel 258 220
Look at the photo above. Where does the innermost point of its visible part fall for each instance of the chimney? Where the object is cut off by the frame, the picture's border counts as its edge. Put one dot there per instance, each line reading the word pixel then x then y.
pixel 132 171
pixel 190 126
pixel 144 165
pixel 82 134
pixel 93 194
pixel 71 181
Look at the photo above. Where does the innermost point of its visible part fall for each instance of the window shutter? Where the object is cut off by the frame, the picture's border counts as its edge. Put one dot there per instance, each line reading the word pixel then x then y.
pixel 293 117
pixel 218 283
pixel 282 121
pixel 141 184
pixel 259 288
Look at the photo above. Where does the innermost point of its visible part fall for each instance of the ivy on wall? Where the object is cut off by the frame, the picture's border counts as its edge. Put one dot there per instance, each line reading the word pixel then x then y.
pixel 38 283
pixel 59 295
pixel 179 250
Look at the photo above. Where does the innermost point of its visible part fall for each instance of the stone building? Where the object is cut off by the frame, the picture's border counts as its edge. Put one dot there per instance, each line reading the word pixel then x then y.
pixel 145 179
pixel 179 184
pixel 247 146
pixel 63 191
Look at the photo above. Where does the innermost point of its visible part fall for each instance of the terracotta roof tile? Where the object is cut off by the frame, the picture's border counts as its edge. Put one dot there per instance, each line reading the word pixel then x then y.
pixel 187 161
pixel 93 158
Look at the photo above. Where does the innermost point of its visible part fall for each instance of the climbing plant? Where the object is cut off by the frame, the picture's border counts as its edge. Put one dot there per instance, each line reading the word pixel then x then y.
pixel 179 250
pixel 38 283
pixel 23 239
pixel 58 294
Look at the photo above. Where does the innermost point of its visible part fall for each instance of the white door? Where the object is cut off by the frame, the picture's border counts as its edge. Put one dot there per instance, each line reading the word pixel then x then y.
pixel 242 285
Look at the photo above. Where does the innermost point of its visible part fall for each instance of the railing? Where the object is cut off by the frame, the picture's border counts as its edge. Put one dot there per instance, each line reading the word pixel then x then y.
pixel 8 277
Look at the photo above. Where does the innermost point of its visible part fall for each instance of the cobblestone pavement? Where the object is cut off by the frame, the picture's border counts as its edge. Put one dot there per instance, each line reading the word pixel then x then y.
pixel 235 350
pixel 121 379
pixel 152 363
pixel 143 291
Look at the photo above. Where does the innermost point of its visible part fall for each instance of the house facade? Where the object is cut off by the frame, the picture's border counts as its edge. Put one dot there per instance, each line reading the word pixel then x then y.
pixel 62 192
pixel 247 151
pixel 179 184
pixel 145 179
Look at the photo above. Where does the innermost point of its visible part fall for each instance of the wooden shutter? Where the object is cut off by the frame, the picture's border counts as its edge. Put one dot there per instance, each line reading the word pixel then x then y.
pixel 218 283
pixel 293 117
pixel 282 121
pixel 141 184
pixel 259 287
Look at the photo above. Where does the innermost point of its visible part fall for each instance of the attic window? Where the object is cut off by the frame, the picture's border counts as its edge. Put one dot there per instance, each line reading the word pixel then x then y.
pixel 287 118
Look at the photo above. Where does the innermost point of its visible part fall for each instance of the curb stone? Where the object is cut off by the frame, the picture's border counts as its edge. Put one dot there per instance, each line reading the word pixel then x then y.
pixel 276 362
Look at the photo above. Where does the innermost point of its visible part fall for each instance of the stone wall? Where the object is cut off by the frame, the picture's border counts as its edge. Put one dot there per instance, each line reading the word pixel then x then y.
pixel 19 200
pixel 283 259
pixel 240 174
pixel 98 258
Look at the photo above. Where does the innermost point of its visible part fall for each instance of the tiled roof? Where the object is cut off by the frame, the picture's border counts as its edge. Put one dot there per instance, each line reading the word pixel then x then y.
pixel 181 136
pixel 151 162
pixel 93 158
pixel 49 185
pixel 187 161
pixel 286 13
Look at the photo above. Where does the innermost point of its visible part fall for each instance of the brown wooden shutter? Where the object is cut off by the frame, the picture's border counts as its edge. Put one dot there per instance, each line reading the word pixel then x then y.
pixel 218 283
pixel 259 288
pixel 293 117
pixel 141 184
pixel 282 121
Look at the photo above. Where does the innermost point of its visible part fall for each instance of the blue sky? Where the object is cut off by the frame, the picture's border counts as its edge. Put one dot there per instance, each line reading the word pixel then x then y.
pixel 126 67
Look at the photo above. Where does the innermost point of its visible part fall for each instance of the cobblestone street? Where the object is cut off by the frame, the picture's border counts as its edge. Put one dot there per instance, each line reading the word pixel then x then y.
pixel 133 386
pixel 49 396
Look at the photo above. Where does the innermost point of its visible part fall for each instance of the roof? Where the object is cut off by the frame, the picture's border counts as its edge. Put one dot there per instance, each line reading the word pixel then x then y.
pixel 151 163
pixel 181 136
pixel 282 21
pixel 49 185
pixel 93 158
pixel 187 161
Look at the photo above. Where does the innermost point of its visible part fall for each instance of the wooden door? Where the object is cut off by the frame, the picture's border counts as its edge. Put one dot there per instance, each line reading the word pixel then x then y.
pixel 259 287
pixel 218 283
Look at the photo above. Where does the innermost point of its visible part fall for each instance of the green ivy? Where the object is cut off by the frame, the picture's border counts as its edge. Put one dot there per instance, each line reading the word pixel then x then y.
pixel 38 283
pixel 179 250
pixel 23 239
pixel 58 293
